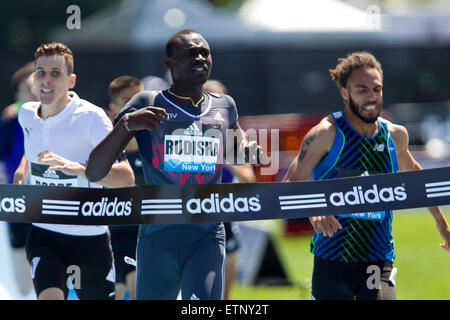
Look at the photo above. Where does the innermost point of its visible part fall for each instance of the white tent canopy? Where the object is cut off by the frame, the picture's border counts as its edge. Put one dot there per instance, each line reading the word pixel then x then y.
pixel 144 24
pixel 149 23
pixel 307 16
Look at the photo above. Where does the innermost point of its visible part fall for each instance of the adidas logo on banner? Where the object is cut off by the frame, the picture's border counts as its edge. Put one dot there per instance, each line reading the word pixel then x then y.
pixel 193 130
pixel 60 207
pixel 305 201
pixel 438 189
pixel 219 117
pixel 161 206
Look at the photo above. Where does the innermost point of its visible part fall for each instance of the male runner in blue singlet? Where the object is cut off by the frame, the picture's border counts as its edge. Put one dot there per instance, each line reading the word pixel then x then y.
pixel 356 141
pixel 171 129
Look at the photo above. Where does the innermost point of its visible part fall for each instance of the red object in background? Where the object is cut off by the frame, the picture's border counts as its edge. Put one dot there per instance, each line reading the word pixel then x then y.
pixel 292 128
pixel 297 227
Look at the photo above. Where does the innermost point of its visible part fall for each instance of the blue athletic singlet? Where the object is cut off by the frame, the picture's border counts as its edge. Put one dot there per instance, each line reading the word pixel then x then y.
pixel 364 236
pixel 186 149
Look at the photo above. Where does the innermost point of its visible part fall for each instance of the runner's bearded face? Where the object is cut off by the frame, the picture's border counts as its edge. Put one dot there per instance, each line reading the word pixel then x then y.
pixel 365 94
pixel 192 60
pixel 51 80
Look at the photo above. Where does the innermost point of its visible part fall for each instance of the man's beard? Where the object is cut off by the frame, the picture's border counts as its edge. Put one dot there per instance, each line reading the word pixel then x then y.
pixel 355 110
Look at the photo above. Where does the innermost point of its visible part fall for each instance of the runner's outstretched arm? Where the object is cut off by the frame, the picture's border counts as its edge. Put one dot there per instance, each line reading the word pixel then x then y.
pixel 109 149
pixel 315 145
pixel 406 162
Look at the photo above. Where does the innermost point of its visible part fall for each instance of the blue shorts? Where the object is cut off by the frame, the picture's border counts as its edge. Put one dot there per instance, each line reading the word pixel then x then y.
pixel 189 257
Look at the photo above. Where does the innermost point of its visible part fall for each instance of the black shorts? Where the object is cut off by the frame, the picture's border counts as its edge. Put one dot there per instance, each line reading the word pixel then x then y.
pixel 18 233
pixel 123 241
pixel 88 260
pixel 232 238
pixel 333 280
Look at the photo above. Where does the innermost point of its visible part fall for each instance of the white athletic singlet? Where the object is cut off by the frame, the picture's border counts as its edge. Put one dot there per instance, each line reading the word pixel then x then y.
pixel 71 134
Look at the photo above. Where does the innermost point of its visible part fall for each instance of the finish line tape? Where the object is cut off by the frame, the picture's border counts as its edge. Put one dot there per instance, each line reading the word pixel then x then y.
pixel 169 204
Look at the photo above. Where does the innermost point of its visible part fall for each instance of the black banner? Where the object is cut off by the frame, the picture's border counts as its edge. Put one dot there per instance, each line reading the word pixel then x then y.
pixel 170 204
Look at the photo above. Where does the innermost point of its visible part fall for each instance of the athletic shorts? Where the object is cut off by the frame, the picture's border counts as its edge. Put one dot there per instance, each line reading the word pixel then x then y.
pixel 88 260
pixel 232 239
pixel 123 241
pixel 333 280
pixel 187 257
pixel 18 233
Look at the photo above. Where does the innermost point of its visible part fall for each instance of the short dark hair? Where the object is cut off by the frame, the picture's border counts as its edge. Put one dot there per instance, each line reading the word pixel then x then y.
pixel 56 48
pixel 120 83
pixel 353 61
pixel 171 43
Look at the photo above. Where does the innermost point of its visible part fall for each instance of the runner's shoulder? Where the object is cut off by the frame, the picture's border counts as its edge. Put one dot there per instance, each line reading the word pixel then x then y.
pixel 28 110
pixel 326 127
pixel 222 97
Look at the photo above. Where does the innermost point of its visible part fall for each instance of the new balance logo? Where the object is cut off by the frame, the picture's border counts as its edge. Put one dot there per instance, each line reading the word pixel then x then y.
pixel 379 147
pixel 219 117
pixel 193 130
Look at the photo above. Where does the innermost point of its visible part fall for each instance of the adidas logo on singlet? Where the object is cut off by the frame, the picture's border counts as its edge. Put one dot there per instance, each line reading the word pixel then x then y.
pixel 194 297
pixel 193 130
pixel 49 173
pixel 218 117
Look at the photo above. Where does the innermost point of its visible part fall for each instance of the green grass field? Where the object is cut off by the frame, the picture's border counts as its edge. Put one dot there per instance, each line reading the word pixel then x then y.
pixel 423 266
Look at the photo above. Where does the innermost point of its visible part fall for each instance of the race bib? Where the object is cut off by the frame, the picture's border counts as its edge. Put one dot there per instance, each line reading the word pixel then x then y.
pixel 183 153
pixel 41 175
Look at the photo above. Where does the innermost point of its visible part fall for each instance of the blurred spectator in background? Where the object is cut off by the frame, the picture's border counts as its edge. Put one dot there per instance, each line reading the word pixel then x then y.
pixel 124 238
pixel 11 152
pixel 230 174
pixel 155 83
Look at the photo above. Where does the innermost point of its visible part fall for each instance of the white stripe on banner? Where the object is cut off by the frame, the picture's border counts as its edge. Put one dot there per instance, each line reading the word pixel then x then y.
pixel 304 201
pixel 438 189
pixel 48 201
pixel 44 206
pixel 158 204
pixel 60 207
pixel 306 206
pixel 303 196
pixel 161 206
pixel 161 201
pixel 162 212
pixel 437 184
pixel 436 195
pixel 433 192
pixel 60 213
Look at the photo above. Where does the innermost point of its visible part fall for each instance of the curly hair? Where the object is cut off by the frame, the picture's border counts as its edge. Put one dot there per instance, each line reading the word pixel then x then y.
pixel 353 61
pixel 56 48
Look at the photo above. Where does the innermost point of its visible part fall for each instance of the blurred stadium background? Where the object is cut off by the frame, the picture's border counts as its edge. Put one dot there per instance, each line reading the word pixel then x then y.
pixel 274 57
